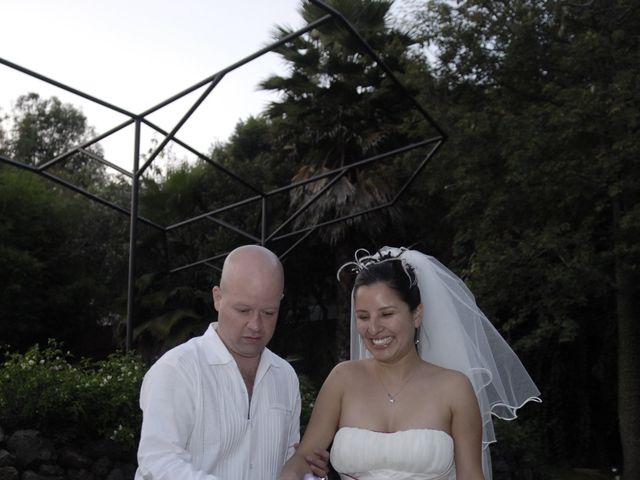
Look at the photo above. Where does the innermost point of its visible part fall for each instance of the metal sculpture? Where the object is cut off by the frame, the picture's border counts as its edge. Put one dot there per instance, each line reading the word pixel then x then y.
pixel 261 197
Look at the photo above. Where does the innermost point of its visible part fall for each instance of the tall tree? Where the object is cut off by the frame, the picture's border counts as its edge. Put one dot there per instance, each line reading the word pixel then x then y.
pixel 543 185
pixel 3 134
pixel 54 273
pixel 42 129
pixel 338 107
pixel 61 255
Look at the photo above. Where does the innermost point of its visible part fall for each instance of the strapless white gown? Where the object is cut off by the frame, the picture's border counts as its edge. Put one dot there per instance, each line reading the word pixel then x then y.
pixel 420 454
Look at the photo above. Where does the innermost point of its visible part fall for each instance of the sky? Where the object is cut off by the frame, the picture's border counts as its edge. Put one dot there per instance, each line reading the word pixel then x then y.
pixel 136 53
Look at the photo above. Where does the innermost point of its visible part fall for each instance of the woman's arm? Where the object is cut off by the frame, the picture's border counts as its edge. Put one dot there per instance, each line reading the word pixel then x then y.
pixel 322 424
pixel 466 429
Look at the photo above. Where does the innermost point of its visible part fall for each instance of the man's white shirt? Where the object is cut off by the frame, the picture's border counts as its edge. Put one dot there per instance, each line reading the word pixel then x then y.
pixel 198 422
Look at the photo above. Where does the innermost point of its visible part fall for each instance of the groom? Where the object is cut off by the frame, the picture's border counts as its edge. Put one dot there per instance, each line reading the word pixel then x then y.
pixel 222 406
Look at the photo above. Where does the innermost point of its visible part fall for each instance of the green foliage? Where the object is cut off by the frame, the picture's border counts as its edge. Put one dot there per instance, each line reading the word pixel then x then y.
pixel 533 200
pixel 519 448
pixel 338 107
pixel 60 254
pixel 56 267
pixel 3 133
pixel 42 129
pixel 308 394
pixel 44 389
pixel 537 181
pixel 168 313
pixel 68 400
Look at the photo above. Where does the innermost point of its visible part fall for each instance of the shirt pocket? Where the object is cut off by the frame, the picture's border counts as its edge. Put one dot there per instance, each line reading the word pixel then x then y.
pixel 280 411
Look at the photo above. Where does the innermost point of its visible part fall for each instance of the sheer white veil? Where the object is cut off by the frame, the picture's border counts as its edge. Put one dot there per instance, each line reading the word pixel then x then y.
pixel 455 334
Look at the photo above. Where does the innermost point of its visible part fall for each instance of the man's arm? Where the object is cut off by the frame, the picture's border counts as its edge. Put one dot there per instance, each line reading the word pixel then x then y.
pixel 167 402
pixel 318 460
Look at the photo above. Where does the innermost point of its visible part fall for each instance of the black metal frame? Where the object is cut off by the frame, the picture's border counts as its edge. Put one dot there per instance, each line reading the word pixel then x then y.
pixel 260 196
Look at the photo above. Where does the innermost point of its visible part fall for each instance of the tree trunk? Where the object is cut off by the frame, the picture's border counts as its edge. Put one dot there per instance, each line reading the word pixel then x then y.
pixel 628 368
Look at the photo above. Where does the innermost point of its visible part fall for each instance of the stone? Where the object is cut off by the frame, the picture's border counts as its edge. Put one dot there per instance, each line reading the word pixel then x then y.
pixel 101 467
pixel 116 474
pixel 8 473
pixel 122 471
pixel 6 459
pixel 51 470
pixel 31 475
pixel 103 448
pixel 79 474
pixel 71 458
pixel 30 448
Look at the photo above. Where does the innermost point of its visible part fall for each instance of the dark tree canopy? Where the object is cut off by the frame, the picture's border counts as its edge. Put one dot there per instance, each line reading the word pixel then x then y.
pixel 533 200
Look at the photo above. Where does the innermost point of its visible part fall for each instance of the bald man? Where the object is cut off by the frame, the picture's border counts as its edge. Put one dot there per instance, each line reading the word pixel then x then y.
pixel 223 406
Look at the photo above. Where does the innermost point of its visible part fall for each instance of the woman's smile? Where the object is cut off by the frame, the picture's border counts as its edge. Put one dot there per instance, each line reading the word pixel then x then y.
pixel 381 342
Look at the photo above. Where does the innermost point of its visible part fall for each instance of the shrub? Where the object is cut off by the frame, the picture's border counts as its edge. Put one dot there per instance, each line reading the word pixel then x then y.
pixel 308 397
pixel 44 389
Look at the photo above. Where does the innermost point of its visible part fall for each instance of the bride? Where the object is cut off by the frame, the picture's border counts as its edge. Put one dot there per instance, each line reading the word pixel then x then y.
pixel 427 372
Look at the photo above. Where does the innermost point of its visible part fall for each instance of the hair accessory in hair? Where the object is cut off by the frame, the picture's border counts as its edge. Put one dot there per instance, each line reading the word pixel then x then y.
pixel 363 260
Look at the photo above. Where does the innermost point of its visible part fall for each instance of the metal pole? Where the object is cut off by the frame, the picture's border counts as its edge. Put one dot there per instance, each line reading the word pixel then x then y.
pixel 133 236
pixel 263 227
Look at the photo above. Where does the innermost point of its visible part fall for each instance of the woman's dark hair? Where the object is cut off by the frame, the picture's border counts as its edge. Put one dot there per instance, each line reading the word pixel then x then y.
pixel 396 275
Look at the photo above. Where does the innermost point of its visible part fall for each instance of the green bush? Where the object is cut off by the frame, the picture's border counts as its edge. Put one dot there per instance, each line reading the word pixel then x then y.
pixel 66 400
pixel 308 395
pixel 44 389
pixel 519 453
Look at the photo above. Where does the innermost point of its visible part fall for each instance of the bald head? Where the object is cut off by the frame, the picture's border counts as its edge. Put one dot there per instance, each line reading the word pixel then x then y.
pixel 248 301
pixel 252 262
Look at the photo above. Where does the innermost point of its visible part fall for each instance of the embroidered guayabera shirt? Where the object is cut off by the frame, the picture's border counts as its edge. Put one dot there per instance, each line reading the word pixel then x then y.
pixel 198 422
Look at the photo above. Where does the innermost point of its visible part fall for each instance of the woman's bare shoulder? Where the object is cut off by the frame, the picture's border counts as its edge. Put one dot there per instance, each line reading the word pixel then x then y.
pixel 448 378
pixel 348 371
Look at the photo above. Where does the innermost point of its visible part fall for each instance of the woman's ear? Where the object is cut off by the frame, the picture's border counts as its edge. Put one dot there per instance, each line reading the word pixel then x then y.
pixel 417 316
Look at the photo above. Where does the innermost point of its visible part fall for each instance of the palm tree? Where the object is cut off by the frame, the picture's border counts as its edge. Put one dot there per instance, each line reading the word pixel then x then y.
pixel 336 108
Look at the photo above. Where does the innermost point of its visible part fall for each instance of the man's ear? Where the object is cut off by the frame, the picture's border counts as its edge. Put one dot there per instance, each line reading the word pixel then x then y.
pixel 217 297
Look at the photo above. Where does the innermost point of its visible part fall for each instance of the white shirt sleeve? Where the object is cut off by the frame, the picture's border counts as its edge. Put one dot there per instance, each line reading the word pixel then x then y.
pixel 294 429
pixel 167 400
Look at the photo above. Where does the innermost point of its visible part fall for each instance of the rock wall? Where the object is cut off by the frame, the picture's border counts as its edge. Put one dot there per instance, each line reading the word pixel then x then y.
pixel 28 455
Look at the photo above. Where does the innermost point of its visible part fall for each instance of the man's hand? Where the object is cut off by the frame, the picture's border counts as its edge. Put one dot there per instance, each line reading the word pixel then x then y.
pixel 318 462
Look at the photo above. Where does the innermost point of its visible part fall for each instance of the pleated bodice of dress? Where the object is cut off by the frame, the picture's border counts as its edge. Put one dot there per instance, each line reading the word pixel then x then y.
pixel 420 454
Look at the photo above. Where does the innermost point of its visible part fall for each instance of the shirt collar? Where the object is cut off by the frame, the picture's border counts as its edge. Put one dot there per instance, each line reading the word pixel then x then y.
pixel 217 353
